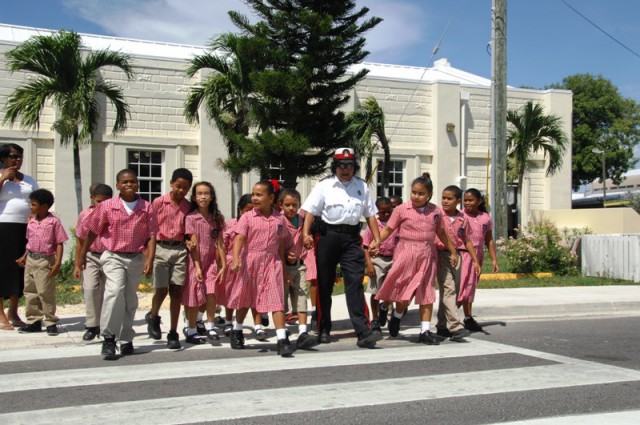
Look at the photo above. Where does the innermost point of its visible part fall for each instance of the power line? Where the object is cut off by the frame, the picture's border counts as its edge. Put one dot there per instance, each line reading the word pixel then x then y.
pixel 600 29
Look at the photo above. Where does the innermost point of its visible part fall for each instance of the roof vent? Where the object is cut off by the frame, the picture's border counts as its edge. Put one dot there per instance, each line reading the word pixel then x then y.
pixel 441 63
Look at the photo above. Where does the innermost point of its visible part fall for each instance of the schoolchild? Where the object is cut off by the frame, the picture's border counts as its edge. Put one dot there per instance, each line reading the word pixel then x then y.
pixel 205 281
pixel 42 261
pixel 418 222
pixel 93 279
pixel 395 201
pixel 378 267
pixel 127 227
pixel 458 229
pixel 261 284
pixel 481 235
pixel 295 285
pixel 170 262
pixel 228 237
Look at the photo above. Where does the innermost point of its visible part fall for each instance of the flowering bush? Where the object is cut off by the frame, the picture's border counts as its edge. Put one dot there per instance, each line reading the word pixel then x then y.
pixel 541 247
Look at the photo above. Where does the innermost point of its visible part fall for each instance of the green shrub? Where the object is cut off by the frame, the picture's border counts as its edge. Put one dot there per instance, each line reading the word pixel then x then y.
pixel 541 247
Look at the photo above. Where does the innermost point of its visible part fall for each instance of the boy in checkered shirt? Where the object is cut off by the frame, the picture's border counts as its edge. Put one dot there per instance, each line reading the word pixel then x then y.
pixel 127 228
pixel 42 260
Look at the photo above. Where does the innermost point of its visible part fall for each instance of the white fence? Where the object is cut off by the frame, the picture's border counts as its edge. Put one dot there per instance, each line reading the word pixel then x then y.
pixel 611 256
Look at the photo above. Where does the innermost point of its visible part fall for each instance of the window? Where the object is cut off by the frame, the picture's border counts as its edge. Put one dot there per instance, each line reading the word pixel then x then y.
pixel 396 178
pixel 275 171
pixel 148 165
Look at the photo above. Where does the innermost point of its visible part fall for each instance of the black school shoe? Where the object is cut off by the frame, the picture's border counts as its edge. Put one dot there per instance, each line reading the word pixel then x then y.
pixel 285 348
pixel 460 335
pixel 201 328
pixel 428 338
pixel 173 341
pixel 394 326
pixel 91 333
pixel 382 315
pixel 368 338
pixel 31 328
pixel 126 348
pixel 237 340
pixel 305 341
pixel 470 324
pixel 109 348
pixel 375 326
pixel 153 326
pixel 52 330
pixel 195 339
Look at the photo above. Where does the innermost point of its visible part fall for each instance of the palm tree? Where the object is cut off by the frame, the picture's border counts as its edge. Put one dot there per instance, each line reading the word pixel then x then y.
pixel 532 131
pixel 71 81
pixel 366 126
pixel 227 96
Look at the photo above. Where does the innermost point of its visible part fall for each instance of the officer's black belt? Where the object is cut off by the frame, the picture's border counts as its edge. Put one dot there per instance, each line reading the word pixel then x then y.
pixel 344 228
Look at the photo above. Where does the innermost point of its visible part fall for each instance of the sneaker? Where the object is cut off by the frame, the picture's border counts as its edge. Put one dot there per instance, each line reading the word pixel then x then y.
pixel 227 329
pixel 305 341
pixel 126 348
pixel 219 321
pixel 52 330
pixel 173 341
pixel 109 348
pixel 261 335
pixel 237 340
pixel 153 326
pixel 394 326
pixel 382 315
pixel 459 335
pixel 285 348
pixel 265 319
pixel 428 338
pixel 91 333
pixel 375 325
pixel 367 339
pixel 194 339
pixel 31 328
pixel 201 328
pixel 470 324
pixel 212 336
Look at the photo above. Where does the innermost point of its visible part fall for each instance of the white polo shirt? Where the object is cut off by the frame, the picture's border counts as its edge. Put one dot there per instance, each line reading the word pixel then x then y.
pixel 340 203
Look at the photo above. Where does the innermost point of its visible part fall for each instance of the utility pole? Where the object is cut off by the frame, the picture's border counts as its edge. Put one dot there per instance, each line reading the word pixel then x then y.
pixel 498 195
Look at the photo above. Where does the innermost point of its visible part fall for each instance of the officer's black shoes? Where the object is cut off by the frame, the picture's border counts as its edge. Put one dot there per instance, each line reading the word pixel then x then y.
pixel 31 328
pixel 368 339
pixel 324 338
pixel 109 348
pixel 153 326
pixel 382 314
pixel 394 326
pixel 173 340
pixel 459 335
pixel 444 333
pixel 285 348
pixel 470 324
pixel 375 325
pixel 305 341
pixel 126 348
pixel 237 340
pixel 52 330
pixel 428 338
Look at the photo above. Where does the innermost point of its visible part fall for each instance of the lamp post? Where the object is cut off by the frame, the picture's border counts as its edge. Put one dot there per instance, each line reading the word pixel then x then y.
pixel 604 175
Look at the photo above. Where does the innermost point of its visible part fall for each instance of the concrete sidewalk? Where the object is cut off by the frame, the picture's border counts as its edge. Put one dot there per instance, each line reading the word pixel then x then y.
pixel 491 305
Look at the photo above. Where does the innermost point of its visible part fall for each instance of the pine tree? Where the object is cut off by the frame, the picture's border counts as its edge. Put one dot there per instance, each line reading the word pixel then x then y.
pixel 311 46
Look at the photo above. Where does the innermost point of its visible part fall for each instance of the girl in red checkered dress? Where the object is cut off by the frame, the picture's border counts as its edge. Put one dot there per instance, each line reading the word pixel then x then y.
pixel 205 282
pixel 413 272
pixel 263 232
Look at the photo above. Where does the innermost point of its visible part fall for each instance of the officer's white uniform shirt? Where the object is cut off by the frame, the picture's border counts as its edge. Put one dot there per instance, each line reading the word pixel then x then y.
pixel 338 203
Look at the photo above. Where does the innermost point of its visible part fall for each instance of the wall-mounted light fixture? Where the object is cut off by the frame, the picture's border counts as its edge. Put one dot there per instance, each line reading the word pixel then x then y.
pixel 450 127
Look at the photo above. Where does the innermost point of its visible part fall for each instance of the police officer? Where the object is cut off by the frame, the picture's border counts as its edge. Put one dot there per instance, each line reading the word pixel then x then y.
pixel 339 201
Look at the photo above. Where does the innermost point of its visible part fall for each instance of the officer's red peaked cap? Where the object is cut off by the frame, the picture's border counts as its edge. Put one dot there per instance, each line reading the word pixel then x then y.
pixel 344 153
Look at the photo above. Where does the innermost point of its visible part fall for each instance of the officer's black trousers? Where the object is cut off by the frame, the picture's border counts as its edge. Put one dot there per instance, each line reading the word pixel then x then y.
pixel 345 249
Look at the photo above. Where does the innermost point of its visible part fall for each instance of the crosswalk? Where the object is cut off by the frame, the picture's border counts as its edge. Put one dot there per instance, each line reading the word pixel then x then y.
pixel 72 385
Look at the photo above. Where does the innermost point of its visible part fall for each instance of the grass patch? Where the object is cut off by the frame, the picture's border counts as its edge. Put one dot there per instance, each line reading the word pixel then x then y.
pixel 548 282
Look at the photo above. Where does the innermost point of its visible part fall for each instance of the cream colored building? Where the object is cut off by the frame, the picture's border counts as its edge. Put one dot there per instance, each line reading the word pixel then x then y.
pixel 437 119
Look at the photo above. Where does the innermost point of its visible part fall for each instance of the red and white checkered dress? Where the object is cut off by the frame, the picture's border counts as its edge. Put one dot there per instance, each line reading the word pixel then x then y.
pixel 122 232
pixel 234 292
pixel 82 231
pixel 414 260
pixel 206 231
pixel 44 236
pixel 170 217
pixel 261 275
pixel 480 226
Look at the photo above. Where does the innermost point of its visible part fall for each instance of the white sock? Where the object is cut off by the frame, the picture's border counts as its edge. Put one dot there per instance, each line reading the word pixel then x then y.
pixel 397 315
pixel 425 326
pixel 227 322
pixel 237 326
pixel 257 328
pixel 200 316
pixel 209 325
pixel 187 324
pixel 281 333
pixel 192 331
pixel 302 329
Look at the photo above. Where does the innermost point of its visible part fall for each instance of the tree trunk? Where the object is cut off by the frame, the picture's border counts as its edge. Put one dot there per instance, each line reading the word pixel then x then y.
pixel 236 182
pixel 76 172
pixel 368 169
pixel 520 183
pixel 385 166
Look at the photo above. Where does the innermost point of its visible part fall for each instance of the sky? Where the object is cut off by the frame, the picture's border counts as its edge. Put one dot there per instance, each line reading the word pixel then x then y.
pixel 546 39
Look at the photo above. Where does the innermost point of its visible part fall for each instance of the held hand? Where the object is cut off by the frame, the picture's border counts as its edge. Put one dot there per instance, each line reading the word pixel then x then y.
pixel 370 271
pixel 291 257
pixel 148 267
pixel 374 248
pixel 307 241
pixel 81 264
pixel 54 271
pixel 477 268
pixel 190 245
pixel 454 259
